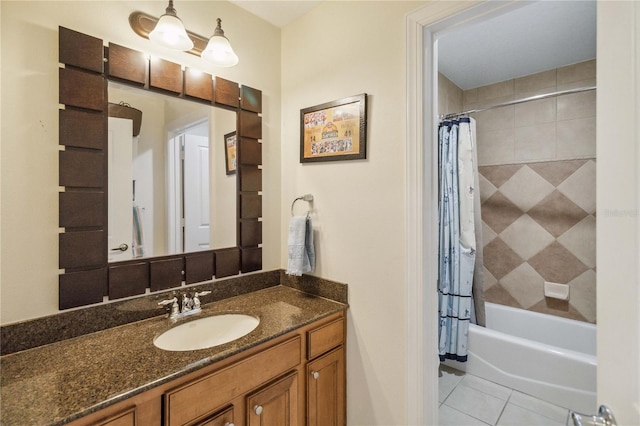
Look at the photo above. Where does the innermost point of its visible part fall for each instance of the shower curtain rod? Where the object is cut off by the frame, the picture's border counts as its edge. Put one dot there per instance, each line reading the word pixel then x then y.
pixel 519 101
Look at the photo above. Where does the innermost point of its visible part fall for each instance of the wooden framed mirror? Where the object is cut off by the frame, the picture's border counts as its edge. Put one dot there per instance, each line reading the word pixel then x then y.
pixel 87 277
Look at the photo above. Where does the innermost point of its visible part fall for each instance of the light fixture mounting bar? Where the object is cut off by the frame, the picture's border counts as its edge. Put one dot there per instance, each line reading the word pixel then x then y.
pixel 142 24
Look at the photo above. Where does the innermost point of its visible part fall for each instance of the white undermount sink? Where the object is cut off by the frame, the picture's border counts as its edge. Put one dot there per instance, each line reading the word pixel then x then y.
pixel 206 332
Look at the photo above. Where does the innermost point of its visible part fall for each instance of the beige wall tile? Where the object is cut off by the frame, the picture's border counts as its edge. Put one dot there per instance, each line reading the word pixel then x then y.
pixel 500 259
pixel 580 187
pixel 560 130
pixel 557 213
pixel 576 138
pixel 455 96
pixel 576 72
pixel 526 237
pixel 489 280
pixel 582 294
pixel 469 97
pixel 526 188
pixel 577 105
pixel 496 147
pixel 442 98
pixel 535 112
pixel 535 84
pixel 525 285
pixel 495 119
pixel 590 82
pixel 497 90
pixel 449 96
pixel 535 143
pixel 495 101
pixel 488 235
pixel 500 174
pixel 581 241
pixel 557 264
pixel 487 189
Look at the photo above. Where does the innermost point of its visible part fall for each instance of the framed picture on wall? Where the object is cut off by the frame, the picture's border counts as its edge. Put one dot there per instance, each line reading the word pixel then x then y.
pixel 334 131
pixel 230 158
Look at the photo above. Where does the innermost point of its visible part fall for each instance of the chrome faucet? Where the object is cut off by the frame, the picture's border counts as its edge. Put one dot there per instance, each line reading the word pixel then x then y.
pixel 189 306
pixel 187 303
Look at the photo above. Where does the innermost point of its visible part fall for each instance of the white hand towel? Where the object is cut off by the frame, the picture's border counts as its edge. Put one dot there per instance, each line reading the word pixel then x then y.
pixel 138 236
pixel 302 256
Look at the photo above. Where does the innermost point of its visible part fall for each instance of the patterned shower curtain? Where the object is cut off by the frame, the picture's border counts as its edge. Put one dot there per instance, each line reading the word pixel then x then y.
pixel 459 228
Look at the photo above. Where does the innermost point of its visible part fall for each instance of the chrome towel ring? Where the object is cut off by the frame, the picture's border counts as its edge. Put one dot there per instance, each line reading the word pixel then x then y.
pixel 307 198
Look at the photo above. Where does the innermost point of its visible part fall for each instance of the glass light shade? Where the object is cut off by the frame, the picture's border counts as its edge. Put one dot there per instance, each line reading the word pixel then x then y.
pixel 219 52
pixel 170 32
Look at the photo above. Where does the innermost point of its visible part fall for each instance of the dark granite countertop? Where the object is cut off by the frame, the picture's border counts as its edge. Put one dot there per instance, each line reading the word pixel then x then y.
pixel 63 381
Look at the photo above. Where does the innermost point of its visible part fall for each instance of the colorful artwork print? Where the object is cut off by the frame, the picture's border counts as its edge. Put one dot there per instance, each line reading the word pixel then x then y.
pixel 231 161
pixel 332 131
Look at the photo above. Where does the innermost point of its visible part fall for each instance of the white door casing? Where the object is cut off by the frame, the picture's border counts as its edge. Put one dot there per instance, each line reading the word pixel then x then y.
pixel 618 188
pixel 618 208
pixel 174 196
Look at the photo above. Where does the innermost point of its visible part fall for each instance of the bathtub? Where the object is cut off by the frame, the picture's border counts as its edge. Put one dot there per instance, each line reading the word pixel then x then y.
pixel 545 356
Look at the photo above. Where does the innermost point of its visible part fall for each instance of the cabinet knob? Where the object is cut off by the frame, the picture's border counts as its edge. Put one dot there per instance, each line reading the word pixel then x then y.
pixel 315 375
pixel 229 424
pixel 257 409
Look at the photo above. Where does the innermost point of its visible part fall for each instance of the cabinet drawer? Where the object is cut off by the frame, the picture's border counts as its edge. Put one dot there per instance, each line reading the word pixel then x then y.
pixel 325 338
pixel 203 396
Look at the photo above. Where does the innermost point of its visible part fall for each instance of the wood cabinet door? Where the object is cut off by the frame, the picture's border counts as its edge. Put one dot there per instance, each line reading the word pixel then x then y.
pixel 276 404
pixel 224 418
pixel 326 390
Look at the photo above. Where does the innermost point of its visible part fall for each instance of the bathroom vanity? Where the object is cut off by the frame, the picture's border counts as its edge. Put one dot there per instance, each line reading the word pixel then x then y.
pixel 290 370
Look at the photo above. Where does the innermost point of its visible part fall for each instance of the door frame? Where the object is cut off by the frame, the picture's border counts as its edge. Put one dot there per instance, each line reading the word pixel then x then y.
pixel 616 75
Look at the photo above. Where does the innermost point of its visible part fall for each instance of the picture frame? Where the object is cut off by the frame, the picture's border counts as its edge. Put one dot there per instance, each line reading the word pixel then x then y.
pixel 230 153
pixel 334 131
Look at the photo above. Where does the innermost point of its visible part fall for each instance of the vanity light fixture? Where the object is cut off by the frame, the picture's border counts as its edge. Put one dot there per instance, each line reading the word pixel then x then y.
pixel 170 32
pixel 216 50
pixel 219 51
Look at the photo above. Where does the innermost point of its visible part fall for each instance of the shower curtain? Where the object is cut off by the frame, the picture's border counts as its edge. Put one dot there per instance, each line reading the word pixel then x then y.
pixel 461 298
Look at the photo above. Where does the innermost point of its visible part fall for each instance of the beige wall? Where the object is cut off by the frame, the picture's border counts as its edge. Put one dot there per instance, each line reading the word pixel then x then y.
pixel 342 49
pixel 449 96
pixel 29 168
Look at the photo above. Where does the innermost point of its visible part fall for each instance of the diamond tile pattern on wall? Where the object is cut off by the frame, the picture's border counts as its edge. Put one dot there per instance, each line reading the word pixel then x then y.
pixel 499 212
pixel 539 223
pixel 557 214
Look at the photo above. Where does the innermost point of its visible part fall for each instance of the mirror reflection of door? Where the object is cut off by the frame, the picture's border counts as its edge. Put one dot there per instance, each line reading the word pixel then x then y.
pixel 189 201
pixel 120 140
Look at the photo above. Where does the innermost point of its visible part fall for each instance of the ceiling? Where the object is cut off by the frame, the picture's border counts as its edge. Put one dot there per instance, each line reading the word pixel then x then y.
pixel 278 12
pixel 537 37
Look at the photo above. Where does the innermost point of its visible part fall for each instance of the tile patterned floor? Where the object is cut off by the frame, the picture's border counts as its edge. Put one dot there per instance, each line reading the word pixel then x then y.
pixel 467 400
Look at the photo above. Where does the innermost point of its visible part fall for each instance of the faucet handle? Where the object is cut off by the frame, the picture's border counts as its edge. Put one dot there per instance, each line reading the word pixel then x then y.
pixel 175 309
pixel 196 300
pixel 166 302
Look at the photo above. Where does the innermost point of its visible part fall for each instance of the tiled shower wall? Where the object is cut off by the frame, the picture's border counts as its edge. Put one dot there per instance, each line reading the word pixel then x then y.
pixel 537 186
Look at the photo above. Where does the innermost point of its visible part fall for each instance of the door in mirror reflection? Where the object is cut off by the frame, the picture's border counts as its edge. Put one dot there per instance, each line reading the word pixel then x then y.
pixel 120 142
pixel 189 224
